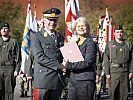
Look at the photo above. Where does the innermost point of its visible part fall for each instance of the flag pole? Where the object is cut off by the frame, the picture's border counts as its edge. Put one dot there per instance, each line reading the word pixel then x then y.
pixel 31 89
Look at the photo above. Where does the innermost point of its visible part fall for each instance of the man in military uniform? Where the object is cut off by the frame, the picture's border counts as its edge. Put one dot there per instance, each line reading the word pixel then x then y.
pixel 45 46
pixel 10 59
pixel 98 69
pixel 30 74
pixel 118 61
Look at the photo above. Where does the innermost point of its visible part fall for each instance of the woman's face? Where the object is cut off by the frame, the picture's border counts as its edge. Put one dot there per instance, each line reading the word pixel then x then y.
pixel 81 28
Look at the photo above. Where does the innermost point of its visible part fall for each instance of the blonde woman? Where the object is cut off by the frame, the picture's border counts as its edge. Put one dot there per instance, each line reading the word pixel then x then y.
pixel 82 77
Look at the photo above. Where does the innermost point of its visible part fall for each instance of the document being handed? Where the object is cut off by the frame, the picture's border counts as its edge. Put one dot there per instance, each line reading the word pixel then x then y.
pixel 71 52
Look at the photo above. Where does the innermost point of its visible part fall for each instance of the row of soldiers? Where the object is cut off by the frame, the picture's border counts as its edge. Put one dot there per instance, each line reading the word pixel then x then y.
pixel 115 64
pixel 117 58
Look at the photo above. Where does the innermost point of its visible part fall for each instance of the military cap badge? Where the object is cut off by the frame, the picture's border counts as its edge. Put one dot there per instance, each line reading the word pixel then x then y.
pixel 52 10
pixel 5 24
pixel 52 13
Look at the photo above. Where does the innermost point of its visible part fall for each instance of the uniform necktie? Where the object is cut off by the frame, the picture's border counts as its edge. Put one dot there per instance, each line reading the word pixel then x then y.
pixel 52 35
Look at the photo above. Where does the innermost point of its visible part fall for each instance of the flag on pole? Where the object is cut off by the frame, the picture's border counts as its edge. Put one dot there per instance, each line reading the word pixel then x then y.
pixel 110 32
pixel 72 12
pixel 99 30
pixel 106 21
pixel 105 33
pixel 25 48
pixel 40 24
pixel 35 26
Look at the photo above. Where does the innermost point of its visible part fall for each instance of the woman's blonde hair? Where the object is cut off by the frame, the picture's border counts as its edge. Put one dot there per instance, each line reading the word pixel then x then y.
pixel 83 19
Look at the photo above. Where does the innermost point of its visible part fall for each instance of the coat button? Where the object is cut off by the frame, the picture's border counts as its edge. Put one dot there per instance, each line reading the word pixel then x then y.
pixel 40 70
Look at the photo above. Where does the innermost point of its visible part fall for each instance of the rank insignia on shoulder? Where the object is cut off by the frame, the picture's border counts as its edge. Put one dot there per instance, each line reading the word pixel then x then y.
pixel 45 34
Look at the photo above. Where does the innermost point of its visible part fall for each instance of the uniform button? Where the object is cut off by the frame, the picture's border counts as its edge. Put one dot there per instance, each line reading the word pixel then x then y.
pixel 47 47
pixel 4 46
pixel 40 70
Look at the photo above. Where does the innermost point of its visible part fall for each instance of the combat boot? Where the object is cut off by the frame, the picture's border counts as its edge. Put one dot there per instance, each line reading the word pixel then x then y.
pixel 22 94
pixel 26 94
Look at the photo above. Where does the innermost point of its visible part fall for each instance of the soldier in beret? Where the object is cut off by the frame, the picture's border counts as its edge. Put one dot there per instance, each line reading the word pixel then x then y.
pixel 118 62
pixel 45 46
pixel 10 60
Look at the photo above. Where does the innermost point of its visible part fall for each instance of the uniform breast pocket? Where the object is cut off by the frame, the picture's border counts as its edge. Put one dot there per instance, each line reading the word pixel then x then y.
pixel 45 47
pixel 49 50
pixel 7 52
pixel 126 54
pixel 113 52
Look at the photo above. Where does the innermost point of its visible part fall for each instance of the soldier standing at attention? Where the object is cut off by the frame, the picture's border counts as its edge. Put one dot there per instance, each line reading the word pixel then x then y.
pixel 45 46
pixel 10 59
pixel 118 61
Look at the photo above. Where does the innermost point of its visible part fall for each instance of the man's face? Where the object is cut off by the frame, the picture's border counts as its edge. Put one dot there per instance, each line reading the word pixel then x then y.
pixel 118 34
pixel 50 24
pixel 95 39
pixel 5 31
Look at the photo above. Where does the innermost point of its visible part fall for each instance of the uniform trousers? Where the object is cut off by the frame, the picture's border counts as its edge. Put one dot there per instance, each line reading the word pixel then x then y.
pixel 119 88
pixel 7 83
pixel 24 86
pixel 81 90
pixel 48 94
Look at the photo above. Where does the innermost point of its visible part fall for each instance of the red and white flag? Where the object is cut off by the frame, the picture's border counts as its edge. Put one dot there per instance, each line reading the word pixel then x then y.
pixel 100 29
pixel 110 33
pixel 40 24
pixel 106 21
pixel 106 32
pixel 72 12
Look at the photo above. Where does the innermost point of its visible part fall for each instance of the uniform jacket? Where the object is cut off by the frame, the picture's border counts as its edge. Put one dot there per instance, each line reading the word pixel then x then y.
pixel 118 58
pixel 44 50
pixel 85 70
pixel 29 65
pixel 10 54
pixel 99 60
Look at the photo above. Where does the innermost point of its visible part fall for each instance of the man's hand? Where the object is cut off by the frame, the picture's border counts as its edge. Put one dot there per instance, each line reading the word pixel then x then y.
pixel 64 70
pixel 102 74
pixel 29 77
pixel 130 76
pixel 97 78
pixel 15 73
pixel 64 63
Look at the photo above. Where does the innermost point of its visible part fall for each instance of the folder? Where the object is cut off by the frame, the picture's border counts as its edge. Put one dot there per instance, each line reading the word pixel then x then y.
pixel 71 52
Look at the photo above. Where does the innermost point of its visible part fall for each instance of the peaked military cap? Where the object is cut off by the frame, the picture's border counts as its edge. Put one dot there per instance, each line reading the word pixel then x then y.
pixel 52 13
pixel 5 24
pixel 118 27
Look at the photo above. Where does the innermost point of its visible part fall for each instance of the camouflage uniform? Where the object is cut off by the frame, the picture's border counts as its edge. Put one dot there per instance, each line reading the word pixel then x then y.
pixel 98 71
pixel 24 86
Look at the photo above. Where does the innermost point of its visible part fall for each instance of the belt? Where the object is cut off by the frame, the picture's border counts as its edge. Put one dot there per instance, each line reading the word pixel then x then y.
pixel 5 63
pixel 119 65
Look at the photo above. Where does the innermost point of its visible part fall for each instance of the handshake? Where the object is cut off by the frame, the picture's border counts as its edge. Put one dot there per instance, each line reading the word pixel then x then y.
pixel 62 66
